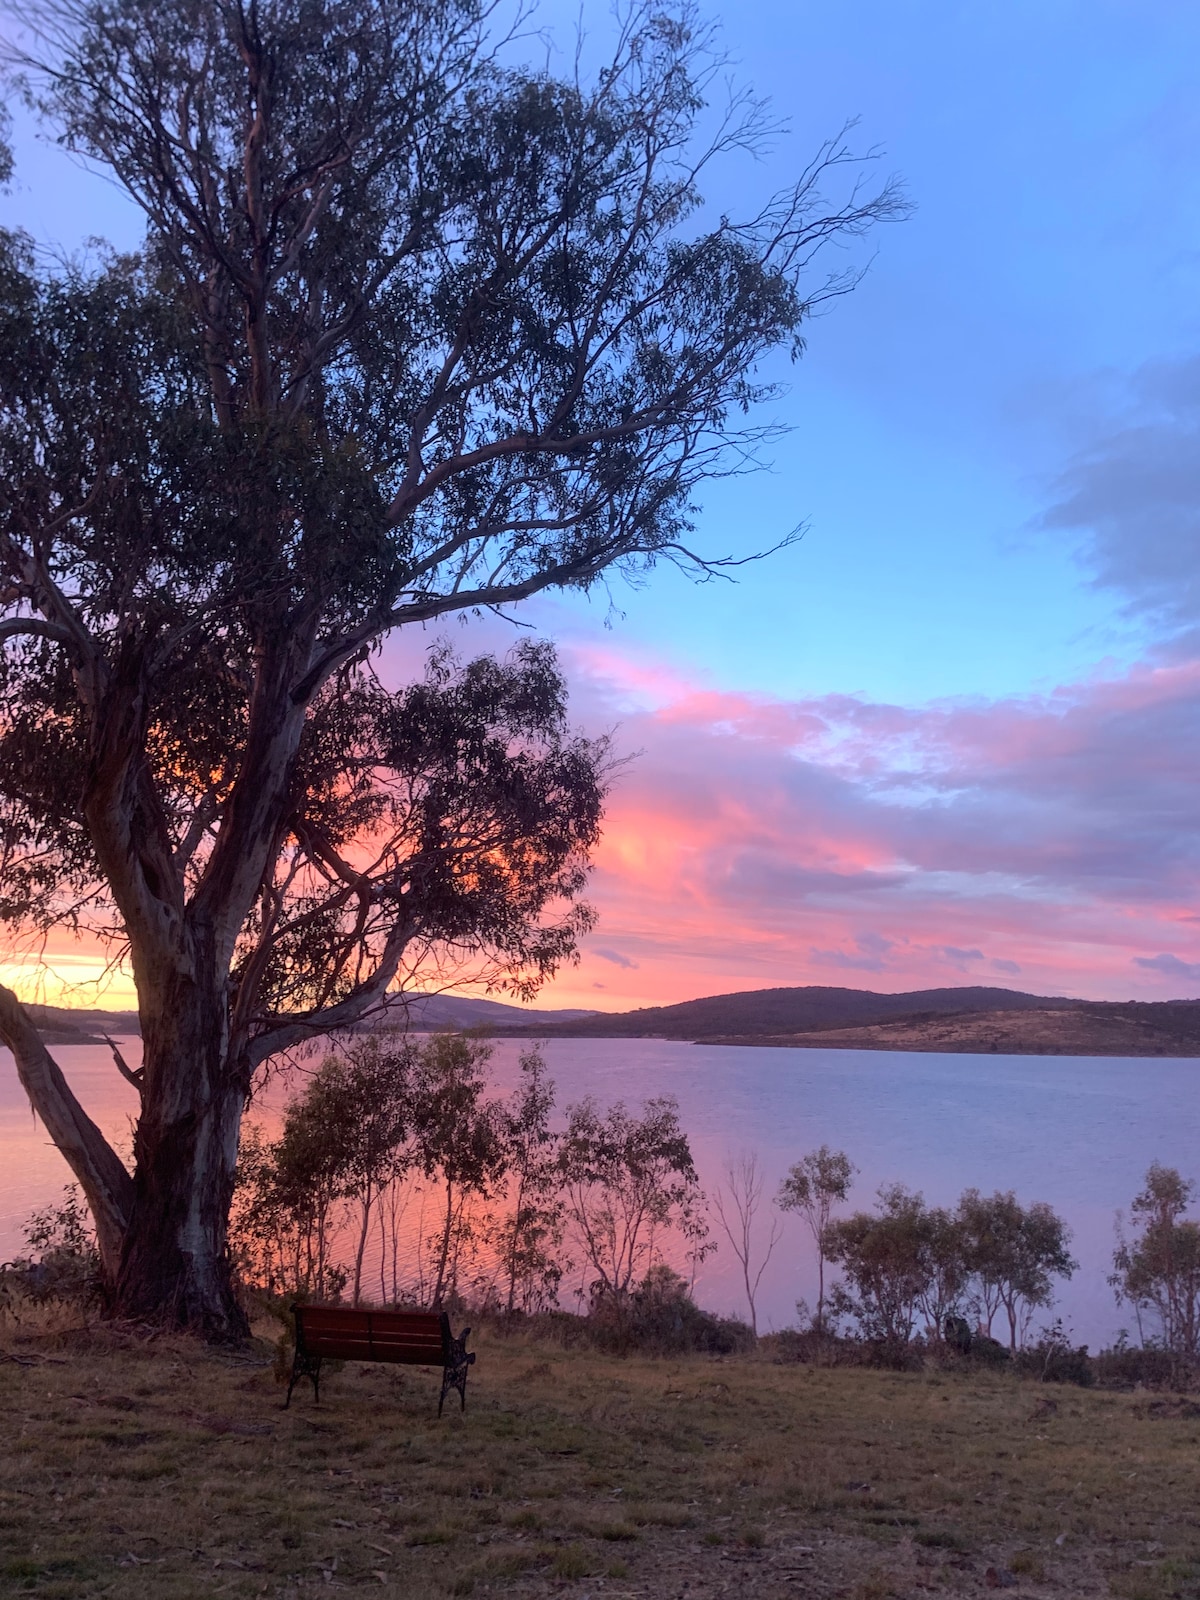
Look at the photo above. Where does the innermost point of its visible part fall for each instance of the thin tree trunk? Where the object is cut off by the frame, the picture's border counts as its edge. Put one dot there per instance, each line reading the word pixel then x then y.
pixel 383 1294
pixel 513 1245
pixel 365 1202
pixel 749 1292
pixel 444 1257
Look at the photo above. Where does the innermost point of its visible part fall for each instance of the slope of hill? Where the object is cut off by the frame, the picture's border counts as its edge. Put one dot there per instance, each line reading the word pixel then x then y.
pixel 64 1025
pixel 1088 1030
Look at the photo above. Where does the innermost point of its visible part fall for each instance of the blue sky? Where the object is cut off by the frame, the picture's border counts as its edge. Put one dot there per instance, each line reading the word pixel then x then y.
pixel 1053 252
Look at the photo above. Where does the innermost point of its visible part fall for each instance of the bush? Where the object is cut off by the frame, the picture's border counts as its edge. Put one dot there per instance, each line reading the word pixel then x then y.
pixel 1052 1361
pixel 661 1318
pixel 1128 1366
pixel 988 1352
pixel 63 1263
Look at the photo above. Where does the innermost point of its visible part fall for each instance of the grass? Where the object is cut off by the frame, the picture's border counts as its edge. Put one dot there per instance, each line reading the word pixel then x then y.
pixel 166 1471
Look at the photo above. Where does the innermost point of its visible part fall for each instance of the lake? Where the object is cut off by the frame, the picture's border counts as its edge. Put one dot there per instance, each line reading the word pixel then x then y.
pixel 1076 1132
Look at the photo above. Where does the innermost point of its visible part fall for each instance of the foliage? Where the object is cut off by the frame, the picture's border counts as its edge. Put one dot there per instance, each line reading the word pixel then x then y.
pixel 1136 1366
pixel 527 1236
pixel 1054 1359
pixel 908 1260
pixel 411 333
pixel 627 1182
pixel 660 1318
pixel 813 1186
pixel 284 1225
pixel 458 1143
pixel 1013 1254
pixel 1157 1271
pixel 886 1264
pixel 384 1124
pixel 61 1260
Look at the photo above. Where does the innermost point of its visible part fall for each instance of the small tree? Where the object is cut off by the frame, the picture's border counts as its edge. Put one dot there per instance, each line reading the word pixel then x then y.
pixel 367 1098
pixel 61 1260
pixel 342 1141
pixel 1157 1271
pixel 736 1214
pixel 947 1270
pixel 1014 1253
pixel 627 1181
pixel 285 1216
pixel 885 1259
pixel 457 1140
pixel 527 1236
pixel 818 1182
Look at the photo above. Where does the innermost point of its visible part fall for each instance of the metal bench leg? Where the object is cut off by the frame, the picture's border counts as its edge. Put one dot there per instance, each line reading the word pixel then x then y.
pixel 305 1367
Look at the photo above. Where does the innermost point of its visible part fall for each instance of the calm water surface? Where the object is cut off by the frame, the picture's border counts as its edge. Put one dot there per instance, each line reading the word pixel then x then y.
pixel 1077 1132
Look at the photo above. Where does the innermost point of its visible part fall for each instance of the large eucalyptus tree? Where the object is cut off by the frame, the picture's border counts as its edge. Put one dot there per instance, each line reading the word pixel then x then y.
pixel 414 331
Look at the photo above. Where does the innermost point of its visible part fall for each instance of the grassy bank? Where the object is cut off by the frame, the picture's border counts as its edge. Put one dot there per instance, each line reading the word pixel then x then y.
pixel 164 1470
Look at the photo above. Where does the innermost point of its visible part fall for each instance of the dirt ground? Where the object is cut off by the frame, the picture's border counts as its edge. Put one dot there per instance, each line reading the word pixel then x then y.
pixel 164 1470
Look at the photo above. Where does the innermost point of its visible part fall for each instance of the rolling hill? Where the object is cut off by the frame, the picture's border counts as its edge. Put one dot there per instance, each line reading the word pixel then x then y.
pixel 761 1012
pixel 970 1020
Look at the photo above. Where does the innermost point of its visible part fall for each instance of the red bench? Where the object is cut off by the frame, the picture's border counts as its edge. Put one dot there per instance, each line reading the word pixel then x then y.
pixel 404 1338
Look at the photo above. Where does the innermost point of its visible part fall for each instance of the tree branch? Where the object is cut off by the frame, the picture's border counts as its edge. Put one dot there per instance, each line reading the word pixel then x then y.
pixel 15 626
pixel 287 1031
pixel 107 1186
pixel 136 1077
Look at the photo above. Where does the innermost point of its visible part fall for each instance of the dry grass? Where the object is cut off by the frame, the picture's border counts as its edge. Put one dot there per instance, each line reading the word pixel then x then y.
pixel 168 1471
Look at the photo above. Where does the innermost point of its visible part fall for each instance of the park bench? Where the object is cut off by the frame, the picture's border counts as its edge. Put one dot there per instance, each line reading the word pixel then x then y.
pixel 405 1338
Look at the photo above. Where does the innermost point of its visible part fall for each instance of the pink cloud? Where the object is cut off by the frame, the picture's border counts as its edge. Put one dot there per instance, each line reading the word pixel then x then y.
pixel 1047 842
pixel 756 841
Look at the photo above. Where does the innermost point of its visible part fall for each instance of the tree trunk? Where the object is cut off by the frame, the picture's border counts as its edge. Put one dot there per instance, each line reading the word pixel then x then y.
pixel 175 1264
pixel 106 1185
pixel 365 1201
pixel 444 1255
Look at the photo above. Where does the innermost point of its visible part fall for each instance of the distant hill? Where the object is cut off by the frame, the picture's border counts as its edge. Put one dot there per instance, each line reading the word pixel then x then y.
pixel 786 1011
pixel 463 1011
pixel 62 1025
pixel 972 1019
pixel 1171 1028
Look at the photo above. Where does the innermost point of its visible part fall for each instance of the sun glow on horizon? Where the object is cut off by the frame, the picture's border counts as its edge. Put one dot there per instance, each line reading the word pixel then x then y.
pixel 75 981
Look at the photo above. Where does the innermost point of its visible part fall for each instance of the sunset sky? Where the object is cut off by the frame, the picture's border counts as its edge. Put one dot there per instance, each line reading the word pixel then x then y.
pixel 951 735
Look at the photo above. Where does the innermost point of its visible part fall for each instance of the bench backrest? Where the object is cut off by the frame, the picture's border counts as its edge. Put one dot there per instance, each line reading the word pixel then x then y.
pixel 409 1338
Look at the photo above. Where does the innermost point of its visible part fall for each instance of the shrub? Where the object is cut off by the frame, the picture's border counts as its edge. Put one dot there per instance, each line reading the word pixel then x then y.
pixel 63 1263
pixel 1128 1366
pixel 1054 1359
pixel 661 1318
